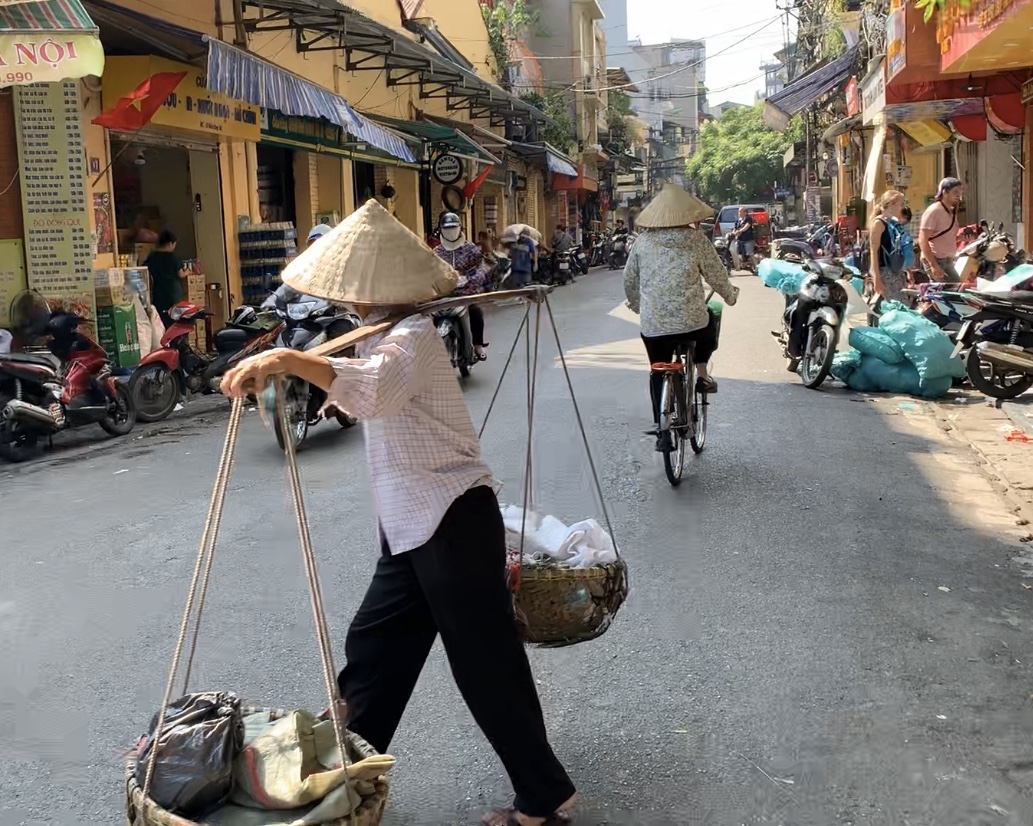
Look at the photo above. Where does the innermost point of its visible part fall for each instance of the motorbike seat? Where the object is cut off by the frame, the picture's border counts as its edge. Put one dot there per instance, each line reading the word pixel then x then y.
pixel 42 359
pixel 230 339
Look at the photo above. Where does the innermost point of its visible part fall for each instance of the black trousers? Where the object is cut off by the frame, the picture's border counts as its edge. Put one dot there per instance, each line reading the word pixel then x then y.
pixel 662 349
pixel 454 585
pixel 476 324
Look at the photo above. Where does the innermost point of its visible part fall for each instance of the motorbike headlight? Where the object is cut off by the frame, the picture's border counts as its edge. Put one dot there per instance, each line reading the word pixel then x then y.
pixel 299 312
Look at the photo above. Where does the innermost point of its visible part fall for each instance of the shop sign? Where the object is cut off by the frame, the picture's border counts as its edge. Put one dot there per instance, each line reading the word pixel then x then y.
pixel 191 107
pixel 873 96
pixel 896 41
pixel 447 169
pixel 310 131
pixel 1027 92
pixel 980 15
pixel 52 159
pixel 853 106
pixel 45 57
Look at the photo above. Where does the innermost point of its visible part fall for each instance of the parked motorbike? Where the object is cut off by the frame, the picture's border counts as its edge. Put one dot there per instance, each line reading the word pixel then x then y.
pixel 597 255
pixel 812 322
pixel 818 244
pixel 619 246
pixel 563 266
pixel 724 252
pixel 579 260
pixel 69 386
pixel 998 335
pixel 990 255
pixel 171 371
pixel 454 327
pixel 307 322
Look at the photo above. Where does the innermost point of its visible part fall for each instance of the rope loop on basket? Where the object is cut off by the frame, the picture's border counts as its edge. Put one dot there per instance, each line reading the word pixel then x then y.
pixel 532 358
pixel 203 568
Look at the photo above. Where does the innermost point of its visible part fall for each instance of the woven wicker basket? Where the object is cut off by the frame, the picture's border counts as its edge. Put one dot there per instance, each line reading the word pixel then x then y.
pixel 145 812
pixel 557 606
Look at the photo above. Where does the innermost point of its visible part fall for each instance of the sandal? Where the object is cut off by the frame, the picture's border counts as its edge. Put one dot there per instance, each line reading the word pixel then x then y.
pixel 560 817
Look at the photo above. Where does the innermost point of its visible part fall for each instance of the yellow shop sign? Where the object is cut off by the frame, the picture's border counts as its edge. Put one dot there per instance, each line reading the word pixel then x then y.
pixel 191 107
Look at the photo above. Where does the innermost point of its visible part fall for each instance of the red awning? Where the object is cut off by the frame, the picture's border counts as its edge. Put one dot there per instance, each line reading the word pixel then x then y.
pixel 1007 110
pixel 972 127
pixel 563 182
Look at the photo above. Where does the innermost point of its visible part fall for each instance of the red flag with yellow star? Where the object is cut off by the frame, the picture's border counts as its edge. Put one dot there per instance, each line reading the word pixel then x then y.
pixel 136 109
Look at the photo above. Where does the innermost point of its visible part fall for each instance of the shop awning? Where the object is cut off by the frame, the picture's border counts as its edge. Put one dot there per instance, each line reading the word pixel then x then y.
pixel 327 25
pixel 444 138
pixel 240 73
pixel 552 159
pixel 244 76
pixel 48 42
pixel 801 94
pixel 841 128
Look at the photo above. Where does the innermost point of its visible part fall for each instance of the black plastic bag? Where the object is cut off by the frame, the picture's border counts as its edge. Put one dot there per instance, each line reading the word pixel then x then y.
pixel 202 736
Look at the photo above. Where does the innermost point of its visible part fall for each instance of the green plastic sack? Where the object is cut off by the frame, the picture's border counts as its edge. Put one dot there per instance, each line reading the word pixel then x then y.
pixel 871 341
pixel 902 378
pixel 924 344
pixel 846 367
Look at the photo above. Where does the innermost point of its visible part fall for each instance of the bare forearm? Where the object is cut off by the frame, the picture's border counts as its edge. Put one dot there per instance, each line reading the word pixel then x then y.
pixel 313 369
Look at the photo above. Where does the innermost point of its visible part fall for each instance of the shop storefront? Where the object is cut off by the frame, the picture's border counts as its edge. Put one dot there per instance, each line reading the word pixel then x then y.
pixel 46 238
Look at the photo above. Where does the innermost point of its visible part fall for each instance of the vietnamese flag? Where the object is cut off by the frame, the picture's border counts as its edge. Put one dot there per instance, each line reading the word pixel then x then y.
pixel 135 110
pixel 471 188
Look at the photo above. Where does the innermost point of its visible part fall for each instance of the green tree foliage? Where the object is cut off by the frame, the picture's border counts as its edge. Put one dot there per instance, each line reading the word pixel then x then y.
pixel 931 7
pixel 507 20
pixel 617 112
pixel 560 129
pixel 739 157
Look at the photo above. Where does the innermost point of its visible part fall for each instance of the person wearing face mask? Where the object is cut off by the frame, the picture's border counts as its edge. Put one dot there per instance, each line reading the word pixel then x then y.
pixel 467 259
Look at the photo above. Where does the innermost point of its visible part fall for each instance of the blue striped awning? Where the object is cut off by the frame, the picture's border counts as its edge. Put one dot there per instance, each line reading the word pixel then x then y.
pixel 246 77
pixel 560 165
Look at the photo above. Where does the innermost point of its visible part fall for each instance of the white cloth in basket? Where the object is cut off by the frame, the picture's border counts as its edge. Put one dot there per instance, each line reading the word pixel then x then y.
pixel 582 545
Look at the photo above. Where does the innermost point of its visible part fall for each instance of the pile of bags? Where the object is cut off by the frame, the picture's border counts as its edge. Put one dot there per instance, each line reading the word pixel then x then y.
pixel 547 540
pixel 220 766
pixel 906 353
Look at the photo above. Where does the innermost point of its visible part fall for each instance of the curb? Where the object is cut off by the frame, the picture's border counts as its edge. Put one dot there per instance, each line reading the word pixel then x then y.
pixel 1021 413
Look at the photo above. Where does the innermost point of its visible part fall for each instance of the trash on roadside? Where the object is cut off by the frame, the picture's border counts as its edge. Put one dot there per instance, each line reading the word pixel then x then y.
pixel 124 470
pixel 944 588
pixel 1017 436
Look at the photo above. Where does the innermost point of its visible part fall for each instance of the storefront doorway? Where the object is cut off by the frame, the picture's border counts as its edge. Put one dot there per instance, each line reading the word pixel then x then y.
pixel 365 182
pixel 161 185
pixel 276 184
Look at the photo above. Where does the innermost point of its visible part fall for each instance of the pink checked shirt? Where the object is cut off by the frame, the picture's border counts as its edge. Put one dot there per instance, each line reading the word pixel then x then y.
pixel 421 446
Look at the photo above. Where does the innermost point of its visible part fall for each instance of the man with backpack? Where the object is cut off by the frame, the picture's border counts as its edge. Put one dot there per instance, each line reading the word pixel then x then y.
pixel 936 238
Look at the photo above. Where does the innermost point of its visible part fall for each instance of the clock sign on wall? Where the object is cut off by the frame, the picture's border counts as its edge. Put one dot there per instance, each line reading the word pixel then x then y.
pixel 447 169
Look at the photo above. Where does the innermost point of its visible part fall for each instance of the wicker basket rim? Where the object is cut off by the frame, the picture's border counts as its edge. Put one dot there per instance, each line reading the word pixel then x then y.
pixel 549 572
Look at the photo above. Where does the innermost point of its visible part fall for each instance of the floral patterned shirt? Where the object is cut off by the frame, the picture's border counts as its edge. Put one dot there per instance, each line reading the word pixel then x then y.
pixel 468 261
pixel 663 280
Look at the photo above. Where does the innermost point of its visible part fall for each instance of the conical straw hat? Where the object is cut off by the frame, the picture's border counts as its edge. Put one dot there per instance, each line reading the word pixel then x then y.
pixel 371 258
pixel 673 207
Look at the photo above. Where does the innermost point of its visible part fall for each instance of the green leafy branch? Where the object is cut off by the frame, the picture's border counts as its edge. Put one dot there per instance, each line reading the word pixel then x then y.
pixel 931 7
pixel 506 21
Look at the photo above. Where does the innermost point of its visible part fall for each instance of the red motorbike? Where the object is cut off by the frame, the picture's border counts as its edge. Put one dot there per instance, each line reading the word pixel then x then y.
pixel 166 374
pixel 69 386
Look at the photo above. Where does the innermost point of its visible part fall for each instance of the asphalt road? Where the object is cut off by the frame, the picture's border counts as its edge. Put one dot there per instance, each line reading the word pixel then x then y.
pixel 827 623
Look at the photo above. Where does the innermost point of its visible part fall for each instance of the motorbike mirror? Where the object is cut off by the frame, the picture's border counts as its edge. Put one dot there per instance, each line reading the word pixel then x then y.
pixel 983 224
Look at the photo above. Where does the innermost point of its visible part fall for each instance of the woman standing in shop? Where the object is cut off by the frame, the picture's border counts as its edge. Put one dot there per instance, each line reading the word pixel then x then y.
pixel 168 272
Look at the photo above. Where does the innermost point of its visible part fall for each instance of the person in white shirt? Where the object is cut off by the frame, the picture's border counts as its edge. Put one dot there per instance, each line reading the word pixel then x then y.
pixel 442 568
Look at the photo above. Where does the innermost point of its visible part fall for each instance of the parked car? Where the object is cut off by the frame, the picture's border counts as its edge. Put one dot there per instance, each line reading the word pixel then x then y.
pixel 728 215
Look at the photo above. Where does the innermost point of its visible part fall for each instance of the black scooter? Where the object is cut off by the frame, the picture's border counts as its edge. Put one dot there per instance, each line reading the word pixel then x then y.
pixel 308 322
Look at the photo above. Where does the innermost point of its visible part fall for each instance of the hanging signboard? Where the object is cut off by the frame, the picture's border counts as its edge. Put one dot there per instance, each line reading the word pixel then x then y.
pixel 873 96
pixel 58 254
pixel 447 169
pixel 853 105
pixel 47 57
pixel 191 107
pixel 896 40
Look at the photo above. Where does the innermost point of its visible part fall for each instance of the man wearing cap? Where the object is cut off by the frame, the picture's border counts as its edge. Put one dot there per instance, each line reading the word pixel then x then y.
pixel 936 236
pixel 317 232
pixel 442 563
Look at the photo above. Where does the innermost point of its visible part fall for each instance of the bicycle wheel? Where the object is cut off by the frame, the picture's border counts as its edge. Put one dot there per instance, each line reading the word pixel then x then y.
pixel 673 417
pixel 698 424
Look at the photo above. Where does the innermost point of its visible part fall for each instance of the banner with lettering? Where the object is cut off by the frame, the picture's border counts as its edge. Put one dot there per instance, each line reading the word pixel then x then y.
pixel 58 254
pixel 190 107
pixel 48 57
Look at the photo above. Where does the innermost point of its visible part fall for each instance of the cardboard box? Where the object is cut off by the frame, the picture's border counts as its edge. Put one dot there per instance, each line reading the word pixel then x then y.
pixel 111 277
pixel 118 335
pixel 111 296
pixel 195 289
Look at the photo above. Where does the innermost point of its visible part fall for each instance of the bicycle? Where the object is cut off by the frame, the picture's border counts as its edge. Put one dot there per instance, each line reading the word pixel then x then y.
pixel 681 420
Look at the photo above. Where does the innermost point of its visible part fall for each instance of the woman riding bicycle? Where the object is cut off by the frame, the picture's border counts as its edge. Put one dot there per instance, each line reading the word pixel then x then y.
pixel 663 281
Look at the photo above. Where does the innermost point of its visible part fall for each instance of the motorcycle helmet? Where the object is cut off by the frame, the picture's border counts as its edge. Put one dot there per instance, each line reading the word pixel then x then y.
pixel 318 231
pixel 451 227
pixel 244 315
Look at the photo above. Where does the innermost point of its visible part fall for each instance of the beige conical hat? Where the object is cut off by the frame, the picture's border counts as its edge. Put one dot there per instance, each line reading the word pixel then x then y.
pixel 673 207
pixel 371 258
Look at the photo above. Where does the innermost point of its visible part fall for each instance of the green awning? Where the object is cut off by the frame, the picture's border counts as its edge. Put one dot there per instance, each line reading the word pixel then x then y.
pixel 442 137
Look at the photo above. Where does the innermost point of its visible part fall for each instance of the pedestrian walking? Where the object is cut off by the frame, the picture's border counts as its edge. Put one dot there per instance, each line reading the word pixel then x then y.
pixel 887 268
pixel 936 236
pixel 168 272
pixel 442 564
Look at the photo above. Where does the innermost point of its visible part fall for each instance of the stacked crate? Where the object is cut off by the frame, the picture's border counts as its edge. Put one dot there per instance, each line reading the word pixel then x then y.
pixel 265 249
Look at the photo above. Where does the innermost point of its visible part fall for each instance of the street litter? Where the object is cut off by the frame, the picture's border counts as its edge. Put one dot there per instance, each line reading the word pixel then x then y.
pixel 124 470
pixel 1017 436
pixel 944 588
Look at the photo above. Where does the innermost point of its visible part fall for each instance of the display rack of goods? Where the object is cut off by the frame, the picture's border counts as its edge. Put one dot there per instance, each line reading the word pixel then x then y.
pixel 265 249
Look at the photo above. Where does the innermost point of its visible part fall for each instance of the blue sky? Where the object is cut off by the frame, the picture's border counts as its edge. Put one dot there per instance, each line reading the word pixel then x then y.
pixel 727 28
